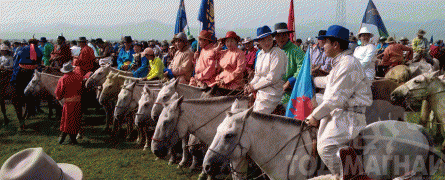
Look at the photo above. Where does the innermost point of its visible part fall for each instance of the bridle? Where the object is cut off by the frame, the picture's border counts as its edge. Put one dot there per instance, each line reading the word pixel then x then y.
pixel 304 127
pixel 410 92
pixel 131 99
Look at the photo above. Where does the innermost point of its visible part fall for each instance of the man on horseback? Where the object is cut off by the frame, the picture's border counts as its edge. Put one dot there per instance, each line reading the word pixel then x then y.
pixel 27 60
pixel 341 115
pixel 61 53
pixel 47 49
pixel 85 61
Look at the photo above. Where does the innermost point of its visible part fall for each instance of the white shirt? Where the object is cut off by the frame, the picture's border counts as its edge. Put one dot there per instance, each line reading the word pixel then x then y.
pixel 75 50
pixel 367 56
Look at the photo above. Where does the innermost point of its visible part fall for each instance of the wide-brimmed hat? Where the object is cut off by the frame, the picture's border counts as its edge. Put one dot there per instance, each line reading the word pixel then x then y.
pixel 61 38
pixel 390 40
pixel 34 163
pixel 43 39
pixel 99 41
pixel 4 47
pixel 321 33
pixel 128 39
pixel 67 67
pixel 180 36
pixel 364 30
pixel 247 40
pixel 281 28
pixel 263 32
pixel 421 32
pixel 231 34
pixel 82 39
pixel 382 39
pixel 205 34
pixel 338 32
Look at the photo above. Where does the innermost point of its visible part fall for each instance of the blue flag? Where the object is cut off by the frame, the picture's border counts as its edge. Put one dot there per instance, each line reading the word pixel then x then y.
pixel 207 16
pixel 372 16
pixel 181 18
pixel 431 40
pixel 300 104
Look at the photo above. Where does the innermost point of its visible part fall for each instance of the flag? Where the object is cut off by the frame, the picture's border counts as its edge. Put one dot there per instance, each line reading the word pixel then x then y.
pixel 291 22
pixel 431 40
pixel 300 104
pixel 181 18
pixel 207 16
pixel 372 16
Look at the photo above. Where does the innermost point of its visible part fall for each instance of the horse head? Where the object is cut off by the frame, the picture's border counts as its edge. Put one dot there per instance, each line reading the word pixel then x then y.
pixel 164 95
pixel 108 86
pixel 145 104
pixel 98 77
pixel 415 90
pixel 228 143
pixel 34 86
pixel 125 100
pixel 167 133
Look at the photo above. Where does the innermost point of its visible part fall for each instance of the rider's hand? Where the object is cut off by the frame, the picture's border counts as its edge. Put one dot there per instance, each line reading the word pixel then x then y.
pixel 311 121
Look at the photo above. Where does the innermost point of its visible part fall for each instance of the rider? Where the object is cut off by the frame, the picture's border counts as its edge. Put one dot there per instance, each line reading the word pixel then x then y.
pixel 341 115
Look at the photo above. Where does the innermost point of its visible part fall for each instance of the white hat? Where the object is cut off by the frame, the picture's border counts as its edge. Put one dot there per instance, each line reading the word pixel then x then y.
pixel 67 67
pixel 33 163
pixel 4 47
pixel 364 30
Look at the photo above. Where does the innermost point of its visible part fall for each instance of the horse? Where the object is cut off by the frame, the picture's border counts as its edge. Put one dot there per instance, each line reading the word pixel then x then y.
pixel 427 88
pixel 284 149
pixel 199 117
pixel 108 95
pixel 44 85
pixel 7 90
pixel 127 104
pixel 99 76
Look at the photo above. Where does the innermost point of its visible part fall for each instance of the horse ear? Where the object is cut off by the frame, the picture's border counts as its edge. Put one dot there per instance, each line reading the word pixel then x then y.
pixel 435 73
pixel 175 96
pixel 180 100
pixel 176 82
pixel 235 106
pixel 229 113
pixel 146 89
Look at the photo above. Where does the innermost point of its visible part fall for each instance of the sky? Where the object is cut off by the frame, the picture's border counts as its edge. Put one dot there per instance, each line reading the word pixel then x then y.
pixel 229 14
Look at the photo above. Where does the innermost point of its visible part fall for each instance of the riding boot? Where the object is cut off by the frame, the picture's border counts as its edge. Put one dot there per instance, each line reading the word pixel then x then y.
pixel 73 139
pixel 62 137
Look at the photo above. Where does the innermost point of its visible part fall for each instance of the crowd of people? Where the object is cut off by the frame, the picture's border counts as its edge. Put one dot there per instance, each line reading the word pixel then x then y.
pixel 266 66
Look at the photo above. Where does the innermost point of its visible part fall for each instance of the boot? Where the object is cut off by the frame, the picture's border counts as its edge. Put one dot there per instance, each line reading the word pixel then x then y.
pixel 73 139
pixel 62 137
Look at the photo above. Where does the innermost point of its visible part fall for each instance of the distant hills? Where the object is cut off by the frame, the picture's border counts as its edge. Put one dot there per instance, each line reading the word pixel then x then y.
pixel 153 29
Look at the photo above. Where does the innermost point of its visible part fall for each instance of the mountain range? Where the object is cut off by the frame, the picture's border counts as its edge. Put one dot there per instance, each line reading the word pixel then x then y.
pixel 153 29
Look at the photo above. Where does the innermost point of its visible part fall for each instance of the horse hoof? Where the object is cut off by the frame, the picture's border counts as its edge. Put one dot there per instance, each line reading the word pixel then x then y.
pixel 202 176
pixel 179 166
pixel 157 159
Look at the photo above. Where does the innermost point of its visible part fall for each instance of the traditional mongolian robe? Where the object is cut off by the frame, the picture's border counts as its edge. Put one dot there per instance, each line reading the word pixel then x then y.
pixel 342 112
pixel 250 59
pixel 47 49
pixel 85 62
pixel 366 54
pixel 156 69
pixel 295 56
pixel 268 80
pixel 124 57
pixel 140 68
pixel 182 66
pixel 393 55
pixel 69 88
pixel 205 69
pixel 233 65
pixel 60 55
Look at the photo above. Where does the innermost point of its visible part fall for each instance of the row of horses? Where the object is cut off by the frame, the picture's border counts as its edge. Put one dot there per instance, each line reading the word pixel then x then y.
pixel 282 147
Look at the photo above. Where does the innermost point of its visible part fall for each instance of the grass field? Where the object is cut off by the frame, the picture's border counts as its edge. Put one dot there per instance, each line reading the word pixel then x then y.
pixel 95 155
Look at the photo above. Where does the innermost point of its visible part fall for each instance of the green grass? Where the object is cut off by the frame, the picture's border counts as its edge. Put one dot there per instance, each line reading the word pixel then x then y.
pixel 95 155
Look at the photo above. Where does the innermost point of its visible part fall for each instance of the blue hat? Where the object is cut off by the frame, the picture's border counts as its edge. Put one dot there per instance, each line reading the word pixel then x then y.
pixel 262 32
pixel 338 32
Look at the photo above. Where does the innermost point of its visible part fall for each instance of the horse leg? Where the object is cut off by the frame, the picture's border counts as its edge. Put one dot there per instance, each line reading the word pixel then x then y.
pixel 51 106
pixel 425 113
pixel 16 102
pixel 147 139
pixel 185 153
pixel 3 106
pixel 129 127
pixel 108 106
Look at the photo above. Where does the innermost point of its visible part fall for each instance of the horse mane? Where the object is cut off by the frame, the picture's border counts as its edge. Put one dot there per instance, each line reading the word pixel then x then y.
pixel 216 99
pixel 52 70
pixel 51 75
pixel 274 118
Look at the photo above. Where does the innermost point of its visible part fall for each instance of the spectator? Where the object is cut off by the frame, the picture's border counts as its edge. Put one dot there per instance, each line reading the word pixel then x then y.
pixel 47 49
pixel 125 56
pixel 61 53
pixel 181 66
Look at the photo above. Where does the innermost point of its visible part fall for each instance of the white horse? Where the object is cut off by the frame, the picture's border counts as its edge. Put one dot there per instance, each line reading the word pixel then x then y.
pixel 283 147
pixel 127 104
pixel 199 117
